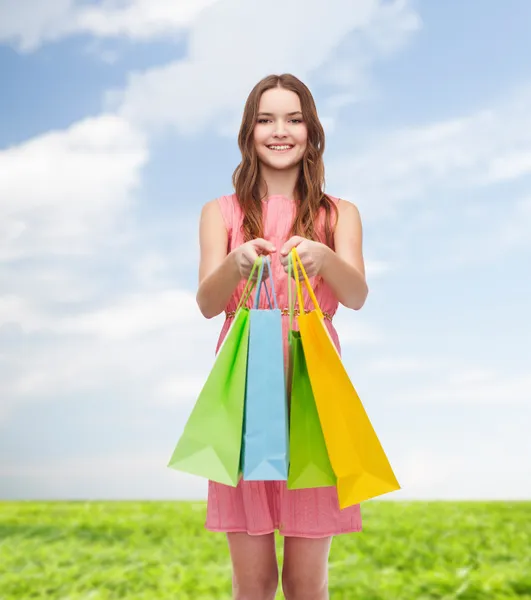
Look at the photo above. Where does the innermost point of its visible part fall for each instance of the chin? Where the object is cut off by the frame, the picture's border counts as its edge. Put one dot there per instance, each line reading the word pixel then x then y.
pixel 280 163
pixel 282 166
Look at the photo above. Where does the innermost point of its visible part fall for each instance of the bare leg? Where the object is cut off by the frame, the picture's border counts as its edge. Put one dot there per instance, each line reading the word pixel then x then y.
pixel 305 571
pixel 254 566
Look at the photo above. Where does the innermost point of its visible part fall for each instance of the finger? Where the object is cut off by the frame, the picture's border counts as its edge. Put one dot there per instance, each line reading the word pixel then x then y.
pixel 263 245
pixel 250 256
pixel 291 243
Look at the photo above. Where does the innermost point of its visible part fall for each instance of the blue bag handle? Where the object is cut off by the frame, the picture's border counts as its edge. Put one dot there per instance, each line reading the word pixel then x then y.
pixel 266 261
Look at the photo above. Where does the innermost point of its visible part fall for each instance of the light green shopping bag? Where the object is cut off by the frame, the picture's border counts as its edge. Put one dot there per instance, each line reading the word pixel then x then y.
pixel 309 463
pixel 210 444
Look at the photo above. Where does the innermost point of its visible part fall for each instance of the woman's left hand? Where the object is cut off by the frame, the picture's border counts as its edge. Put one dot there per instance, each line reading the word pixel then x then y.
pixel 312 254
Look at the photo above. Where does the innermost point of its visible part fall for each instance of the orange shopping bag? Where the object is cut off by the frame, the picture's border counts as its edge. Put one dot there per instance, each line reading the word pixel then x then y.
pixel 356 455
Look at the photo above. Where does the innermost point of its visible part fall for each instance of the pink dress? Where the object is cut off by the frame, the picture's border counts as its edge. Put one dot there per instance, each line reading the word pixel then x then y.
pixel 260 507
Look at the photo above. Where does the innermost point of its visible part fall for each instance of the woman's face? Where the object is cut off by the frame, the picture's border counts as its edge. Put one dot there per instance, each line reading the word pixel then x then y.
pixel 280 134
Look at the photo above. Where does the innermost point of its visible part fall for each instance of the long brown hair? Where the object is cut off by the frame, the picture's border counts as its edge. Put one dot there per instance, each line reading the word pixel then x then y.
pixel 309 193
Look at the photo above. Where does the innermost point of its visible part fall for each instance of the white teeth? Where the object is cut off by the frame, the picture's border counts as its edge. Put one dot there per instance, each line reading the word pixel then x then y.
pixel 279 147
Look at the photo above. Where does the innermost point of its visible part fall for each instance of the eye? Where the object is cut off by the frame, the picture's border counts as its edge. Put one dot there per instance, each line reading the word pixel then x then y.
pixel 296 121
pixel 261 121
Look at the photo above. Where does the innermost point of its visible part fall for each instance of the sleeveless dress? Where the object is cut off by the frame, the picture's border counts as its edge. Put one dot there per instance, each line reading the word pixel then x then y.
pixel 261 507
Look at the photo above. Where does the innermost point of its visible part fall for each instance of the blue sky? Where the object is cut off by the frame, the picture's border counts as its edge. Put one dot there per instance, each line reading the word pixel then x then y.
pixel 118 120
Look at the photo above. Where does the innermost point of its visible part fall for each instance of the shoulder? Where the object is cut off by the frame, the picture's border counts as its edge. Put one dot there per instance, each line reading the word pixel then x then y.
pixel 348 221
pixel 345 207
pixel 223 206
pixel 223 203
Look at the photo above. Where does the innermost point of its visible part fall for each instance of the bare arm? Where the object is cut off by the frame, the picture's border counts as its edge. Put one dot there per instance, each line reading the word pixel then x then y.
pixel 344 269
pixel 220 271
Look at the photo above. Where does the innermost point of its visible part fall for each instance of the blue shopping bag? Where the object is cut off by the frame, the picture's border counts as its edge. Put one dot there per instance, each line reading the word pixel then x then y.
pixel 265 442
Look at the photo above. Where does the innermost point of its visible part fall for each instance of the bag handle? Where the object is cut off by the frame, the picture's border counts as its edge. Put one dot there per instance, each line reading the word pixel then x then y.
pixel 259 287
pixel 265 261
pixel 291 300
pixel 249 286
pixel 298 264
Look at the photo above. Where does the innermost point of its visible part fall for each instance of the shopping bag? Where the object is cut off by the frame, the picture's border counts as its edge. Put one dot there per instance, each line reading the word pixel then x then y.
pixel 309 464
pixel 356 454
pixel 210 444
pixel 265 446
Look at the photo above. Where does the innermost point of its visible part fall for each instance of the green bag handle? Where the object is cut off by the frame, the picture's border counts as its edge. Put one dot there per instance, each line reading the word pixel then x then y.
pixel 249 286
pixel 291 301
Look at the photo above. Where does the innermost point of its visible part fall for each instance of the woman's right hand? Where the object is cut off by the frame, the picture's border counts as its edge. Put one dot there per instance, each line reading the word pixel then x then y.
pixel 246 255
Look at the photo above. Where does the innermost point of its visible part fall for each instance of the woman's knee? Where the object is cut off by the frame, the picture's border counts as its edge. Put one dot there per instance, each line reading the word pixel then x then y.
pixel 299 586
pixel 305 571
pixel 255 586
pixel 255 570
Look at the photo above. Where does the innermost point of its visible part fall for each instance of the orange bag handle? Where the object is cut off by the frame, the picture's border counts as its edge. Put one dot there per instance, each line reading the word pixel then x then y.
pixel 297 261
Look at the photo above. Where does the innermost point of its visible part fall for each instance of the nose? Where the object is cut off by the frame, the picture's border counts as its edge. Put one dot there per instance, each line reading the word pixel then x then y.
pixel 280 129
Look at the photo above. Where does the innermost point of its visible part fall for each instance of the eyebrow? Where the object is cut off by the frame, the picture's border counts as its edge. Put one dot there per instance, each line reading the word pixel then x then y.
pixel 291 114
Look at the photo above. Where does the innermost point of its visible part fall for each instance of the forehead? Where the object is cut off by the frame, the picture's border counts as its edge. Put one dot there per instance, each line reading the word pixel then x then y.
pixel 279 101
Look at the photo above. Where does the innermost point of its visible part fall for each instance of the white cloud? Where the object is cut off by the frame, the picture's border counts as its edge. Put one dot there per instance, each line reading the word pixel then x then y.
pixel 377 268
pixel 437 379
pixel 28 24
pixel 511 166
pixel 62 191
pixel 398 365
pixel 515 229
pixel 490 236
pixel 44 284
pixel 353 330
pixel 154 340
pixel 150 268
pixel 143 342
pixel 220 69
pixel 180 388
pixel 138 19
pixel 473 388
pixel 432 472
pixel 124 319
pixel 412 165
pixel 126 475
pixel 441 473
pixel 135 315
pixel 426 473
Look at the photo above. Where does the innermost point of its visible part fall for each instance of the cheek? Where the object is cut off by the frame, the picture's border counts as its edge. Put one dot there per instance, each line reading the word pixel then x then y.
pixel 302 137
pixel 255 137
pixel 260 135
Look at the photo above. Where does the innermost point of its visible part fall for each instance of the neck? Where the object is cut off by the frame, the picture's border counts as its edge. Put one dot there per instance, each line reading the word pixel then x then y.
pixel 278 183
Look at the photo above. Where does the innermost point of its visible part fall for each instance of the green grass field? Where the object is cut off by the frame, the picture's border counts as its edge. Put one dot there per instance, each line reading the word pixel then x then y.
pixel 160 550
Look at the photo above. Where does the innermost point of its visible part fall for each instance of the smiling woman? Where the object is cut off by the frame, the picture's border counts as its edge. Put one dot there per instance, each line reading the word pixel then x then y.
pixel 282 141
pixel 280 204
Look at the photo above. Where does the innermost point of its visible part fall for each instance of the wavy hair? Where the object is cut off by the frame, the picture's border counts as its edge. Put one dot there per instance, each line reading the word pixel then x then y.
pixel 309 194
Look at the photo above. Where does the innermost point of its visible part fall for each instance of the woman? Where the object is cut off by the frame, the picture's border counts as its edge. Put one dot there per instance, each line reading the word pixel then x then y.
pixel 279 204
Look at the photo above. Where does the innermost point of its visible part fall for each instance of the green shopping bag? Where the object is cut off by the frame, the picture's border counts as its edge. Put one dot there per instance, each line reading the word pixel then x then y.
pixel 210 444
pixel 309 463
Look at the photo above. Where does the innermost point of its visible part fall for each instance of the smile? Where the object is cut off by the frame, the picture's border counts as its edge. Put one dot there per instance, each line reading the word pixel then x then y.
pixel 280 147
